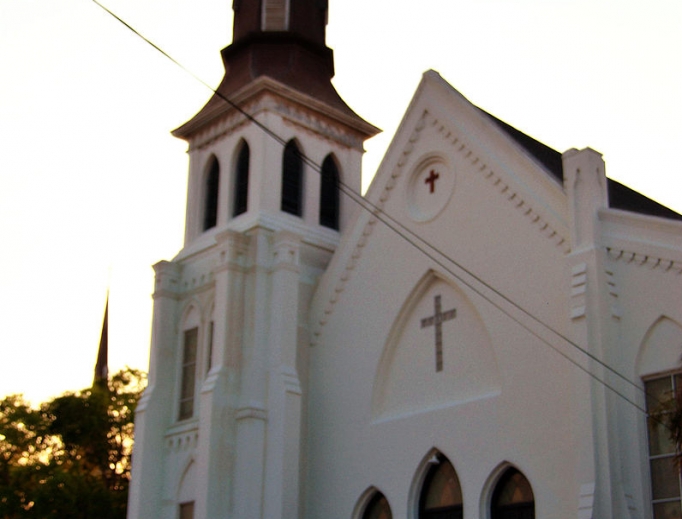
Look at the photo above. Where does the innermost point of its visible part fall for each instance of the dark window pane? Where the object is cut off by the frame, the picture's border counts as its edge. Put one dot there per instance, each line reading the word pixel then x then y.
pixel 441 495
pixel 292 180
pixel 665 481
pixel 657 391
pixel 329 194
pixel 670 510
pixel 211 195
pixel 241 186
pixel 187 381
pixel 378 508
pixel 513 497
pixel 187 510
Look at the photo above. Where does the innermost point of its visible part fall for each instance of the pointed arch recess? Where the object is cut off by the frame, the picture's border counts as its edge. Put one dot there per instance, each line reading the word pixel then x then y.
pixel 211 189
pixel 292 179
pixel 431 481
pixel 240 201
pixel 508 493
pixel 406 380
pixel 329 193
pixel 373 504
pixel 186 483
pixel 661 348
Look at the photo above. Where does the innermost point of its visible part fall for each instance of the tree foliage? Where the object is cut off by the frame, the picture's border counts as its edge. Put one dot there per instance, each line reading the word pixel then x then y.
pixel 70 457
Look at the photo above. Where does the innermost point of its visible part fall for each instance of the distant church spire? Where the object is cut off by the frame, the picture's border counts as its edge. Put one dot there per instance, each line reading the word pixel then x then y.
pixel 102 368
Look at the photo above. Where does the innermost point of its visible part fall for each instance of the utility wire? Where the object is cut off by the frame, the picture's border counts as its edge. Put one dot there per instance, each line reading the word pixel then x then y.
pixel 433 253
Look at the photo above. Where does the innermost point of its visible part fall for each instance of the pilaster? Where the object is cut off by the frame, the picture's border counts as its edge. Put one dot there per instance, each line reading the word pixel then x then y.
pixel 284 391
pixel 251 415
pixel 154 411
pixel 594 329
pixel 216 450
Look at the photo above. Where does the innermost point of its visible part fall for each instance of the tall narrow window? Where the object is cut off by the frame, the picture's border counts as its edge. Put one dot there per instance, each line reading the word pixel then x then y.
pixel 513 497
pixel 187 382
pixel 211 195
pixel 187 510
pixel 665 474
pixel 275 14
pixel 329 194
pixel 292 180
pixel 441 495
pixel 378 508
pixel 241 181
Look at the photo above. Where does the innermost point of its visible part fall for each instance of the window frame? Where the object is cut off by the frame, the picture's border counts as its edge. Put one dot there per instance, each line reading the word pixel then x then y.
pixel 675 379
pixel 187 387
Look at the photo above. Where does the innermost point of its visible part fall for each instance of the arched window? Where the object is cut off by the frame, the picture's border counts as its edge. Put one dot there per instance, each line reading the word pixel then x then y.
pixel 441 495
pixel 378 508
pixel 241 181
pixel 329 194
pixel 211 194
pixel 658 365
pixel 513 497
pixel 292 180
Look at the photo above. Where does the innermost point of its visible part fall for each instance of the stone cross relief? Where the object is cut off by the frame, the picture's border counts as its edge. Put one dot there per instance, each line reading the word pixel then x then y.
pixel 437 320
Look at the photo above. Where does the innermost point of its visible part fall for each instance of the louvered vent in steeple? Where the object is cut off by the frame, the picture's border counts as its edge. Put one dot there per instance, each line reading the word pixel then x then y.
pixel 275 15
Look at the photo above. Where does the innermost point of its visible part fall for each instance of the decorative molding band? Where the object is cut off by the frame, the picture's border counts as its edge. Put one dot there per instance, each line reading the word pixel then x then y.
pixel 290 379
pixel 643 260
pixel 234 248
pixel 167 279
pixel 514 198
pixel 285 251
pixel 253 412
pixel 612 290
pixel 267 94
pixel 578 290
pixel 586 501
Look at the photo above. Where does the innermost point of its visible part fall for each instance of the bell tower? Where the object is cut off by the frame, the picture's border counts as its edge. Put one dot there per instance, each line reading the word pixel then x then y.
pixel 219 431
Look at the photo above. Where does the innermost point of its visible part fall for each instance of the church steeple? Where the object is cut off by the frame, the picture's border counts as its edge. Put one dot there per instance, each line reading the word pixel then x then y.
pixel 306 19
pixel 283 40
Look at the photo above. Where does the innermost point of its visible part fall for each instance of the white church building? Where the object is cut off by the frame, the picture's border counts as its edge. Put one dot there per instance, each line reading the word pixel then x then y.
pixel 474 338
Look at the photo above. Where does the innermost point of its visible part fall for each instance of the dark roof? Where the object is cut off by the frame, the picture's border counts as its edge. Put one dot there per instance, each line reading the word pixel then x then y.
pixel 548 157
pixel 620 196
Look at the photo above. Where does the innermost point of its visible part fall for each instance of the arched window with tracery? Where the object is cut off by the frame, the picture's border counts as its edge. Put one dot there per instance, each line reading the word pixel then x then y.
pixel 513 497
pixel 329 194
pixel 292 179
pixel 441 494
pixel 241 180
pixel 212 183
pixel 377 508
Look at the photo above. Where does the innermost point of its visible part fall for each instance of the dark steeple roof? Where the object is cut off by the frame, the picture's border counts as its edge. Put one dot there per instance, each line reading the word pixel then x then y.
pixel 102 367
pixel 285 45
pixel 620 196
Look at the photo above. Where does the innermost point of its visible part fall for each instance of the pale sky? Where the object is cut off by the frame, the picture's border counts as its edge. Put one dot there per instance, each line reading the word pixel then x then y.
pixel 92 184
